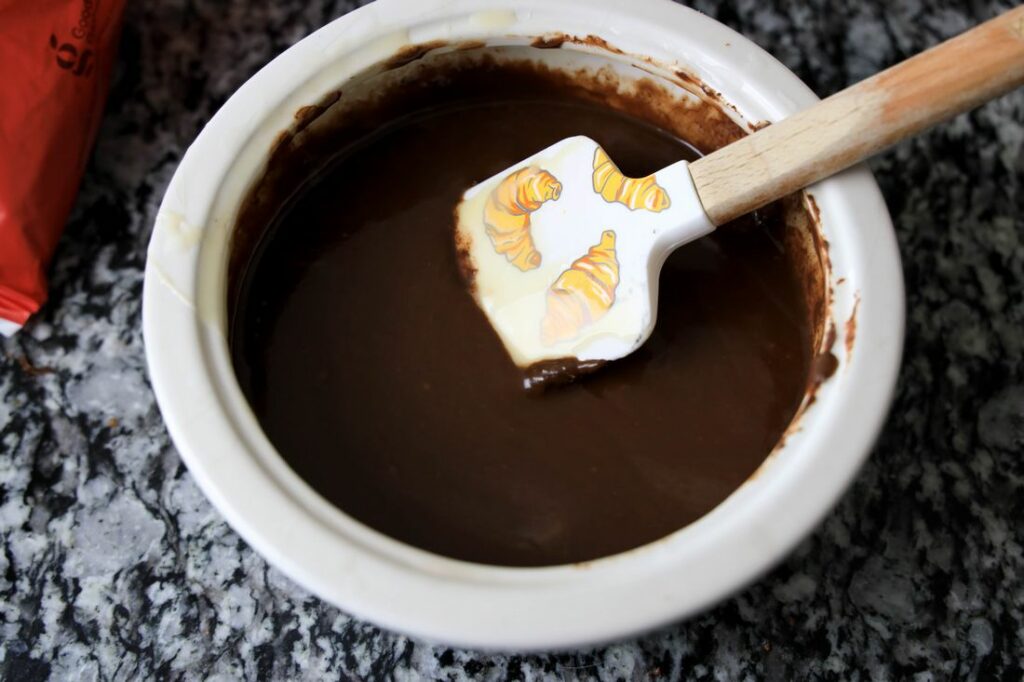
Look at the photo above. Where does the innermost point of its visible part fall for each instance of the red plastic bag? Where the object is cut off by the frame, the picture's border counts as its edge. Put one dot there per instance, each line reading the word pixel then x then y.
pixel 56 57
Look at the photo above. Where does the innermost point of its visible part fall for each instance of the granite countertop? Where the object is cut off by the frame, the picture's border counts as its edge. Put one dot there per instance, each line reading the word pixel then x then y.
pixel 114 565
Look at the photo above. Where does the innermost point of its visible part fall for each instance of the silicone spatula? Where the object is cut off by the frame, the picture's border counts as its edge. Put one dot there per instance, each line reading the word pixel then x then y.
pixel 563 253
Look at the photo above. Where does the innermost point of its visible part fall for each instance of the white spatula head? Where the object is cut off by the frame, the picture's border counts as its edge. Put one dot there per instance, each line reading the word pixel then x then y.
pixel 562 252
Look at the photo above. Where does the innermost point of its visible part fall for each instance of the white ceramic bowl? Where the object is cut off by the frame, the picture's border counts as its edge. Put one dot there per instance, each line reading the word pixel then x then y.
pixel 409 590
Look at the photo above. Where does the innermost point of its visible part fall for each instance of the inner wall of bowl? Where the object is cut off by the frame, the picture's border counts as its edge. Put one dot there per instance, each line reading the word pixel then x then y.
pixel 673 101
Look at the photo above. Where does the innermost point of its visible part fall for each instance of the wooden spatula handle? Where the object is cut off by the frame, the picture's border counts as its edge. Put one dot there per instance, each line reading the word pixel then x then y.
pixel 851 125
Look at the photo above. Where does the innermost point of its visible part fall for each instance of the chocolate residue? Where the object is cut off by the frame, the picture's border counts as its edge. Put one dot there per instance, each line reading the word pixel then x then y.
pixel 804 237
pixel 825 363
pixel 822 294
pixel 411 53
pixel 815 211
pixel 697 83
pixel 549 42
pixel 759 125
pixel 851 327
pixel 556 40
pixel 549 374
pixel 281 140
pixel 597 41
pixel 470 45
pixel 464 259
pixel 308 114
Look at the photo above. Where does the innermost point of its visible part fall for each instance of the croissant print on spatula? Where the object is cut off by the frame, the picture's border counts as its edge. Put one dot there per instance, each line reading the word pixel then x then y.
pixel 634 193
pixel 508 209
pixel 583 294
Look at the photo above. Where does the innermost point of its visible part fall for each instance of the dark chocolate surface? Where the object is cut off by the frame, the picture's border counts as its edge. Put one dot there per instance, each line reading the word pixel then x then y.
pixel 381 383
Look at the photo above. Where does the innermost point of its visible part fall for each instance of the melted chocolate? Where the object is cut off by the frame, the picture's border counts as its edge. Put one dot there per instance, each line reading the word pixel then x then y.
pixel 549 374
pixel 380 382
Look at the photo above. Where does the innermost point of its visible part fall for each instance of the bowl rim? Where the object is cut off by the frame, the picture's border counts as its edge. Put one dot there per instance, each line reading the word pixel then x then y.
pixel 413 591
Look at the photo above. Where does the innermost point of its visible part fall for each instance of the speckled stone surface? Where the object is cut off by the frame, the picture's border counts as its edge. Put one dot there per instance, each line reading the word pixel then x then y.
pixel 114 566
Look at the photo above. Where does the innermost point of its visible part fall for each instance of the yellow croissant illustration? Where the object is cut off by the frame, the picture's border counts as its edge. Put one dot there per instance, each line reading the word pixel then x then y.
pixel 508 209
pixel 632 192
pixel 582 294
